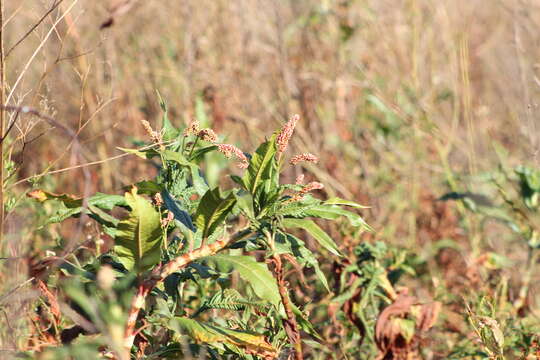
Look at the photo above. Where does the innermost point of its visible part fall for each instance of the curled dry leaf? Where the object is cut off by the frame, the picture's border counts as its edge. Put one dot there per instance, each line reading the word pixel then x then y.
pixel 400 324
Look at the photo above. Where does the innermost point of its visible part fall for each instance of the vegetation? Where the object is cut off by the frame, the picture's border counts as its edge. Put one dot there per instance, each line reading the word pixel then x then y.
pixel 151 209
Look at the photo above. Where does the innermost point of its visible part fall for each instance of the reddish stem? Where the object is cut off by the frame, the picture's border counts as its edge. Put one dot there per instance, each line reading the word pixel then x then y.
pixel 161 272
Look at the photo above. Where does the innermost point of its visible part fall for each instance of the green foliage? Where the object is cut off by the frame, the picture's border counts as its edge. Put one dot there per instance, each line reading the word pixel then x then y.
pixel 176 218
pixel 212 211
pixel 139 237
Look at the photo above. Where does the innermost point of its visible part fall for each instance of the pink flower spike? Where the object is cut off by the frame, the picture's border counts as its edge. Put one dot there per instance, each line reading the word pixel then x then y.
pixel 285 133
pixel 304 157
pixel 299 179
pixel 229 150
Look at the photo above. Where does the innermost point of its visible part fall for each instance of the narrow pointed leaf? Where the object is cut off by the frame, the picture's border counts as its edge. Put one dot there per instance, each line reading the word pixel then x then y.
pixel 179 214
pixel 314 230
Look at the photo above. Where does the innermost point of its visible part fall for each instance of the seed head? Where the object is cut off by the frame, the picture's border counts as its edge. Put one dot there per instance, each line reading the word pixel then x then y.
pixel 229 150
pixel 299 179
pixel 304 157
pixel 207 135
pixel 192 129
pixel 154 135
pixel 285 133
pixel 158 200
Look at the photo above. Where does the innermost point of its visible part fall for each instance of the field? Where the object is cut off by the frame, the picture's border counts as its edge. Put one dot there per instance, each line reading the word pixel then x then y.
pixel 257 179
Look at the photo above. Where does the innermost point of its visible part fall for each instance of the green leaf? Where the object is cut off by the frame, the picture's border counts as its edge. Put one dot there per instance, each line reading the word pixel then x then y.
pixel 199 153
pixel 179 214
pixel 143 154
pixel 212 211
pixel 261 165
pixel 100 200
pixel 229 299
pixel 314 230
pixel 340 201
pixel 211 334
pixel 199 184
pixel 334 212
pixel 170 155
pixel 169 131
pixel 138 240
pixel 255 273
pixel 287 243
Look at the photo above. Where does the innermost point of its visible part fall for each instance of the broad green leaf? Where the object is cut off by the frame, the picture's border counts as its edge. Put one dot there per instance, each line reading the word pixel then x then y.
pixel 179 214
pixel 199 184
pixel 261 165
pixel 244 201
pixel 314 230
pixel 206 333
pixel 146 187
pixel 212 211
pixel 170 155
pixel 255 273
pixel 138 240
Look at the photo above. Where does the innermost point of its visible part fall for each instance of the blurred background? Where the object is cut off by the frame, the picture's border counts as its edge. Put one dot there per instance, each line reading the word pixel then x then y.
pixel 404 101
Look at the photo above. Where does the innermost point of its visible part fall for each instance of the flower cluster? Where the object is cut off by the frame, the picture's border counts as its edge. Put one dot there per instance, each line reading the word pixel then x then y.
pixel 229 150
pixel 207 135
pixel 304 157
pixel 192 129
pixel 285 133
pixel 154 135
pixel 299 179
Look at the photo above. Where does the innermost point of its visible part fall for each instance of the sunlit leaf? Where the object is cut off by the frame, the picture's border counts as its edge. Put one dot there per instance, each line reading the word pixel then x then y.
pixel 138 240
pixel 212 211
pixel 314 230
pixel 255 273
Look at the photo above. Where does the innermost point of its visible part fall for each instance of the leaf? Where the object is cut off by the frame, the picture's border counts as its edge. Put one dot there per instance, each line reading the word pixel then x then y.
pixel 261 165
pixel 143 154
pixel 295 246
pixel 340 201
pixel 334 212
pixel 314 230
pixel 229 299
pixel 255 273
pixel 199 153
pixel 179 214
pixel 212 211
pixel 252 342
pixel 103 201
pixel 169 131
pixel 199 184
pixel 177 157
pixel 138 240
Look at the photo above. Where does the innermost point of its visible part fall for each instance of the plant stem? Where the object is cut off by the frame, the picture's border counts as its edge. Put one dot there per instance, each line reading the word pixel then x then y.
pixel 161 272
pixel 290 324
